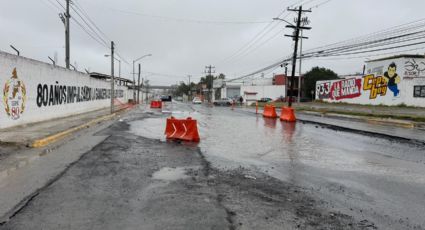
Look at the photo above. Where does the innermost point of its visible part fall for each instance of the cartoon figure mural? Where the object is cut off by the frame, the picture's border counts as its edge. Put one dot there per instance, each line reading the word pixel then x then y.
pixel 393 79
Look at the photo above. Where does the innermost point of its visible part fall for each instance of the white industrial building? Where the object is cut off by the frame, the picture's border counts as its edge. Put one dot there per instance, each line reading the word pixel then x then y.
pixel 250 90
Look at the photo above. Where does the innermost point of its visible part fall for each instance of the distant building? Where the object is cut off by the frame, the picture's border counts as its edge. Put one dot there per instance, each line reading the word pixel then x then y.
pixel 118 80
pixel 282 79
pixel 255 89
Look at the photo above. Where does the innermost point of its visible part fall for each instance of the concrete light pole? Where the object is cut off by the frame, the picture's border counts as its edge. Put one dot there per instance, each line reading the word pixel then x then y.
pixel 67 37
pixel 119 64
pixel 190 89
pixel 296 36
pixel 112 77
pixel 65 19
pixel 138 85
pixel 134 72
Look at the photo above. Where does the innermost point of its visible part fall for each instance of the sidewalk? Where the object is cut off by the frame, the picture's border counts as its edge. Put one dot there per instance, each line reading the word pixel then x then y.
pixel 23 145
pixel 28 134
pixel 402 113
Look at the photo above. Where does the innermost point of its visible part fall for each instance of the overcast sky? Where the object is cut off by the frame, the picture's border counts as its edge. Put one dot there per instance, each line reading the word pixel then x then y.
pixel 186 35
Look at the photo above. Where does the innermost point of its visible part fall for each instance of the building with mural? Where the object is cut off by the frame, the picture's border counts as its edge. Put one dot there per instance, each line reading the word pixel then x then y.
pixel 393 80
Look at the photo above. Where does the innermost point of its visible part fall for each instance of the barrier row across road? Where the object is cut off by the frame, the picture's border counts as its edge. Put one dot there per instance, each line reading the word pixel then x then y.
pixel 287 114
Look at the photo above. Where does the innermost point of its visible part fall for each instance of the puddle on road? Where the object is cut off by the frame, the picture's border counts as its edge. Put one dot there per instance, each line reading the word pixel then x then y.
pixel 170 174
pixel 229 140
pixel 152 128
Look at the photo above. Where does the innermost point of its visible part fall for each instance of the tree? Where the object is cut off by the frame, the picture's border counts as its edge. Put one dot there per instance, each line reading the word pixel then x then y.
pixel 208 80
pixel 181 89
pixel 314 75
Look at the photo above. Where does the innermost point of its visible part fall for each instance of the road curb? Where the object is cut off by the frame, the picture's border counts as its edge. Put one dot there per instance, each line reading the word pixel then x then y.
pixel 38 143
pixel 358 131
pixel 372 120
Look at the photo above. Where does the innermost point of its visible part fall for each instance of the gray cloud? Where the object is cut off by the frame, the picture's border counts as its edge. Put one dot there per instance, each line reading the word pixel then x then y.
pixel 182 41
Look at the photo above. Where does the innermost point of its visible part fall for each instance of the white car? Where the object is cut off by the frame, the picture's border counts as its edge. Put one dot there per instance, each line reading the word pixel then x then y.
pixel 196 100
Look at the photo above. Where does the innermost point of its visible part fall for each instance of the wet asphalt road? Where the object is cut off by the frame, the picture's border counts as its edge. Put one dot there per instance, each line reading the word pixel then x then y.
pixel 246 173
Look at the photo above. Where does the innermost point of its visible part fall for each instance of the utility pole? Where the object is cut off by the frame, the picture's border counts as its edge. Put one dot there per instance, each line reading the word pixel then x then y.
pixel 134 84
pixel 143 84
pixel 190 89
pixel 296 36
pixel 209 70
pixel 65 20
pixel 299 74
pixel 67 50
pixel 112 77
pixel 138 85
pixel 147 90
pixel 119 68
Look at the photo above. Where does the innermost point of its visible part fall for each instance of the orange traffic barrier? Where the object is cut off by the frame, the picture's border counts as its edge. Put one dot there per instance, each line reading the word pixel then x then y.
pixel 256 107
pixel 288 114
pixel 182 129
pixel 156 104
pixel 120 105
pixel 269 111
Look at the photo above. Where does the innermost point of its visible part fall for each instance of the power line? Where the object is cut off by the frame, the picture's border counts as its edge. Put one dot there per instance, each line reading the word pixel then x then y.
pixel 256 37
pixel 252 46
pixel 366 44
pixel 60 4
pixel 89 26
pixel 187 20
pixel 102 43
pixel 367 56
pixel 81 9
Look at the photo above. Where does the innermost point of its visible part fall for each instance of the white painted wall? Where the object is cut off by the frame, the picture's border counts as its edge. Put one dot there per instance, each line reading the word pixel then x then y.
pixel 331 91
pixel 34 78
pixel 271 91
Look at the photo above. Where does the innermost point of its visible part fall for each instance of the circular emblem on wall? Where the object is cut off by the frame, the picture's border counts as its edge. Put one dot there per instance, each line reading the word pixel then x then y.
pixel 14 96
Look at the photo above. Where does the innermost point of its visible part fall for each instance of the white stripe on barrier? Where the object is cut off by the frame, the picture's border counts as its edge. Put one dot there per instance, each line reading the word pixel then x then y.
pixel 175 130
pixel 185 131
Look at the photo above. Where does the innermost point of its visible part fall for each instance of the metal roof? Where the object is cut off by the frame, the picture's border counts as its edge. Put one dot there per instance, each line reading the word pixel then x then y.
pixel 105 76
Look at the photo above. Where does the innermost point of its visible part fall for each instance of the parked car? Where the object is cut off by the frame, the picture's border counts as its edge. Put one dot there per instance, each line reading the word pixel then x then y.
pixel 166 98
pixel 280 99
pixel 179 98
pixel 265 99
pixel 305 99
pixel 223 101
pixel 196 100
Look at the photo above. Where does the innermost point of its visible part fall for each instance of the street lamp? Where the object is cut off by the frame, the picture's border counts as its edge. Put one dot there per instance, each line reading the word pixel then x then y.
pixel 119 64
pixel 283 20
pixel 134 79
